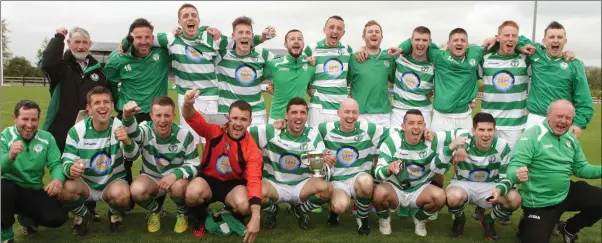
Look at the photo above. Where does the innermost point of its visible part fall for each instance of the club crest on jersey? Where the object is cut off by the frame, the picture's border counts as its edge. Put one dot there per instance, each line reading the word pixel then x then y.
pixel 478 175
pixel 172 148
pixel 564 65
pixel 358 137
pixel 245 74
pixel 386 63
pixel 304 67
pixel 425 69
pixel 227 146
pixel 194 55
pixel 503 81
pixel 568 144
pixel 422 154
pixel 473 62
pixel 161 163
pixel 491 158
pixel 333 68
pixel 303 147
pixel 415 171
pixel 156 57
pixel 514 63
pixel 223 165
pixel 289 162
pixel 94 77
pixel 38 148
pixel 347 155
pixel 410 80
pixel 101 163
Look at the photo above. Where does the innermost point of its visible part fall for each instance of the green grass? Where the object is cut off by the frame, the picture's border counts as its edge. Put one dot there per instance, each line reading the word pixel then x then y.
pixel 287 230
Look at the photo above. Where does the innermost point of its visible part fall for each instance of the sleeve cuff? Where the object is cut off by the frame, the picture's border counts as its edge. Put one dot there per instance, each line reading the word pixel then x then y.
pixel 67 169
pixel 129 148
pixel 8 161
pixel 254 201
pixel 178 173
pixel 447 151
pixel 502 189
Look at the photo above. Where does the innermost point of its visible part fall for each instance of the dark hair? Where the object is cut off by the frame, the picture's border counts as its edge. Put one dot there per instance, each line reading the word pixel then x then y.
pixel 421 30
pixel 163 101
pixel 482 117
pixel 26 105
pixel 291 31
pixel 334 17
pixel 457 31
pixel 98 90
pixel 241 105
pixel 186 5
pixel 296 101
pixel 242 20
pixel 141 22
pixel 553 25
pixel 412 112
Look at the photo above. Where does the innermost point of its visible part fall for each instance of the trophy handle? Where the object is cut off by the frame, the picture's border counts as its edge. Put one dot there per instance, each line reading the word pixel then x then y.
pixel 304 159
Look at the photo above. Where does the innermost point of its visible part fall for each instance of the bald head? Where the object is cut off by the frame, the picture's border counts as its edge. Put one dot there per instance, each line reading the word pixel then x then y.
pixel 349 111
pixel 561 105
pixel 560 116
pixel 349 103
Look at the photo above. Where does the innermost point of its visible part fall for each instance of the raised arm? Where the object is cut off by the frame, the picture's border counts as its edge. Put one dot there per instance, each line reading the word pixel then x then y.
pixel 52 58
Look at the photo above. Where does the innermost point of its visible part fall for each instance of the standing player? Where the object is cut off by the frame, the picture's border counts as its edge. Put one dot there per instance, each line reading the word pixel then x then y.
pixel 329 88
pixel 231 168
pixel 481 175
pixel 240 72
pixel 369 80
pixel 406 164
pixel 291 75
pixel 169 160
pixel 286 177
pixel 93 163
pixel 355 145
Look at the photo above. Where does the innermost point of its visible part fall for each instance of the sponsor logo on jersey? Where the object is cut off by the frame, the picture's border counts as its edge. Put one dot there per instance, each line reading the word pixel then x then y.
pixel 94 77
pixel 245 74
pixel 333 68
pixel 289 162
pixel 478 175
pixel 564 65
pixel 38 148
pixel 283 69
pixel 161 162
pixel 547 146
pixel 194 55
pixel 415 171
pixel 101 163
pixel 503 80
pixel 410 80
pixel 156 57
pixel 223 165
pixel 347 155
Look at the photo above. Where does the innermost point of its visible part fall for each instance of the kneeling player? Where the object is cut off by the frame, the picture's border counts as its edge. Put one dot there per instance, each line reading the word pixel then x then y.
pixel 231 168
pixel 93 162
pixel 406 164
pixel 355 144
pixel 481 175
pixel 286 177
pixel 169 160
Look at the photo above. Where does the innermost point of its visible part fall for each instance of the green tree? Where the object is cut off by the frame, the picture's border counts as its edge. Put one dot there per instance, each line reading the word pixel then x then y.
pixel 594 80
pixel 20 67
pixel 41 50
pixel 5 53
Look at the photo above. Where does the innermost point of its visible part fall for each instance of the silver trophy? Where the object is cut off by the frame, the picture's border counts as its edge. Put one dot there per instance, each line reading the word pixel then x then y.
pixel 314 160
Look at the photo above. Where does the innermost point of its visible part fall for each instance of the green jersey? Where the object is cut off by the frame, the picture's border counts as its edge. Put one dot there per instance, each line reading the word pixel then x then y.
pixel 162 156
pixel 99 150
pixel 455 80
pixel 291 78
pixel 283 153
pixel 505 93
pixel 240 78
pixel 370 82
pixel 142 78
pixel 413 81
pixel 330 83
pixel 551 160
pixel 355 151
pixel 554 79
pixel 27 169
pixel 420 160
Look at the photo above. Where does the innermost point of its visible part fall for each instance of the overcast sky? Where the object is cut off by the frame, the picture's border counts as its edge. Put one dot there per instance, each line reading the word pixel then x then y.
pixel 31 22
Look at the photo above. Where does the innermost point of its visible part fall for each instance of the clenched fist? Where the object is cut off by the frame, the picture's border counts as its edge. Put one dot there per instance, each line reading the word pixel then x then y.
pixel 190 96
pixel 523 174
pixel 130 109
pixel 122 136
pixel 62 31
pixel 15 149
pixel 77 169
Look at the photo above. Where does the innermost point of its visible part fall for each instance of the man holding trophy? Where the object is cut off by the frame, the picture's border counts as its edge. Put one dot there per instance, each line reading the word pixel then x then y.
pixel 290 155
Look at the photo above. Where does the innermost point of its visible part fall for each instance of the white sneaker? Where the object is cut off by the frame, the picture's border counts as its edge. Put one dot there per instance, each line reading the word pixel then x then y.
pixel 434 217
pixel 420 226
pixel 384 225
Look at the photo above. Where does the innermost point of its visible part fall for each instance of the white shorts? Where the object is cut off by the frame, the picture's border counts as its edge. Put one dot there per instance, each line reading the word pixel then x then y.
pixel 510 136
pixel 348 186
pixel 477 191
pixel 156 180
pixel 397 117
pixel 534 120
pixel 208 108
pixel 448 122
pixel 378 119
pixel 407 199
pixel 289 194
pixel 96 195
pixel 316 116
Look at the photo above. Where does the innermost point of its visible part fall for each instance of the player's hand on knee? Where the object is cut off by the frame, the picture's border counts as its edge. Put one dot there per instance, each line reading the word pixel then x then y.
pixel 190 96
pixel 15 148
pixel 523 174
pixel 77 169
pixel 166 182
pixel 122 136
pixel 130 109
pixel 394 167
pixel 54 187
pixel 494 196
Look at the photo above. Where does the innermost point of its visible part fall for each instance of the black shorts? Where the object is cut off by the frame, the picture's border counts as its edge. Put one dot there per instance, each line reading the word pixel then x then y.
pixel 220 189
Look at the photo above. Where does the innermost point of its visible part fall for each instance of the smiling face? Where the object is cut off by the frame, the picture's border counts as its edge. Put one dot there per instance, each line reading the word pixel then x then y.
pixel 457 44
pixel 143 40
pixel 420 43
pixel 162 116
pixel 188 19
pixel 373 36
pixel 79 44
pixel 27 122
pixel 560 117
pixel 554 40
pixel 238 122
pixel 294 43
pixel 414 127
pixel 296 117
pixel 348 114
pixel 100 107
pixel 334 31
pixel 243 35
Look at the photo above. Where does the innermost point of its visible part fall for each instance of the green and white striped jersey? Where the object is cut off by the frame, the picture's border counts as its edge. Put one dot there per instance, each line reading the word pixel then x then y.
pixel 489 166
pixel 100 151
pixel 506 81
pixel 240 78
pixel 283 153
pixel 162 156
pixel 330 81
pixel 413 81
pixel 354 151
pixel 420 160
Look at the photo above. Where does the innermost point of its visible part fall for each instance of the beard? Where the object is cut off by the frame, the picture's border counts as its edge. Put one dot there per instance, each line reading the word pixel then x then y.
pixel 80 55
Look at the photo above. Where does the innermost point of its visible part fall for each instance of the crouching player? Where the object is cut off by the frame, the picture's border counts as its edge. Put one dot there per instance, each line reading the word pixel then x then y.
pixel 169 160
